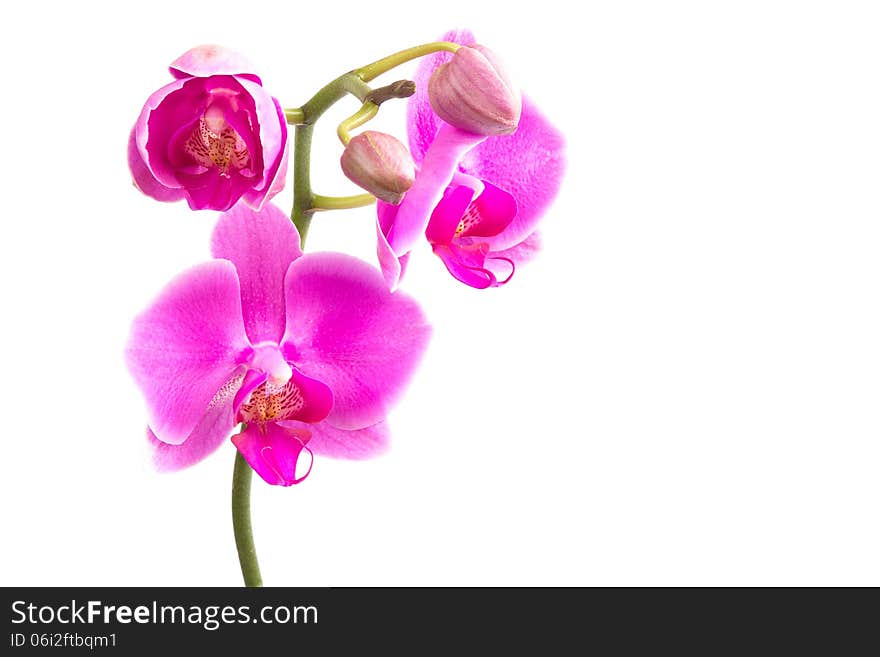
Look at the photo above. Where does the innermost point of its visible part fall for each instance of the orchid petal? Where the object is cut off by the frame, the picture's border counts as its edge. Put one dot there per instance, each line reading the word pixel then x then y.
pixel 213 191
pixel 447 215
pixel 211 59
pixel 261 245
pixel 317 398
pixel 393 267
pixel 435 173
pixel 347 330
pixel 186 346
pixel 272 129
pixel 253 379
pixel 495 209
pixel 144 179
pixel 335 443
pixel 528 164
pixel 181 105
pixel 522 252
pixel 208 435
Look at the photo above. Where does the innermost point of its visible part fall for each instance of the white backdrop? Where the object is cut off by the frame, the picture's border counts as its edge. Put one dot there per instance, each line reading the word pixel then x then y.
pixel 682 390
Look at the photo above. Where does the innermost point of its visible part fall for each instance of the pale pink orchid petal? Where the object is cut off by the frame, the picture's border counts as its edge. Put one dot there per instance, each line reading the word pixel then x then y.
pixel 327 440
pixel 523 252
pixel 528 164
pixel 268 112
pixel 392 266
pixel 347 330
pixel 261 245
pixel 211 431
pixel 211 59
pixel 144 179
pixel 435 173
pixel 274 452
pixel 186 346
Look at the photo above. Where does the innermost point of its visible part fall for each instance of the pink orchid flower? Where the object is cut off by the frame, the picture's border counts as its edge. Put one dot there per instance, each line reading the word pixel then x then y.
pixel 213 136
pixel 301 348
pixel 476 199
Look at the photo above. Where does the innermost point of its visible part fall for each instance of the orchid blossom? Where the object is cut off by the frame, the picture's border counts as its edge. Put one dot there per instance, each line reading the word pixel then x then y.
pixel 300 348
pixel 476 198
pixel 212 136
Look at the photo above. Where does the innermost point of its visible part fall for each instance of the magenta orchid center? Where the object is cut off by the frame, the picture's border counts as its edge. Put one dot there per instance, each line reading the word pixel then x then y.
pixel 462 225
pixel 213 143
pixel 273 393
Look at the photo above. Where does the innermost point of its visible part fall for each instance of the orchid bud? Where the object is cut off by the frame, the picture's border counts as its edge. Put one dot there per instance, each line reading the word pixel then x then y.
pixel 380 164
pixel 473 92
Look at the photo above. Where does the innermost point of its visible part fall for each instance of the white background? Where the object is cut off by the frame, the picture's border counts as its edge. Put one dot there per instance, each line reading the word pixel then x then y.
pixel 682 390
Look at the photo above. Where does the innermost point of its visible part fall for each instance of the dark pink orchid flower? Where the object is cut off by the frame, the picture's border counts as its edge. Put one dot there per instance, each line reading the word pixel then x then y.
pixel 302 348
pixel 213 136
pixel 476 199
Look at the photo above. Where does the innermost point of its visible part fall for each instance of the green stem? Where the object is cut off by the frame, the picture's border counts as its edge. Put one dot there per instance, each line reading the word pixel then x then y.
pixel 367 111
pixel 241 522
pixel 301 213
pixel 294 115
pixel 341 202
pixel 377 68
pixel 303 199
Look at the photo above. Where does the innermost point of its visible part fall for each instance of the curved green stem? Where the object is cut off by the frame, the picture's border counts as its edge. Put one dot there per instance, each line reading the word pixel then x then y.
pixel 301 213
pixel 377 68
pixel 241 522
pixel 367 111
pixel 303 199
pixel 320 202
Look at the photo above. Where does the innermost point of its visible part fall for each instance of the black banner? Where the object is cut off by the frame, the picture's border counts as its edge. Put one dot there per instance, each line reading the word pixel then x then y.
pixel 420 620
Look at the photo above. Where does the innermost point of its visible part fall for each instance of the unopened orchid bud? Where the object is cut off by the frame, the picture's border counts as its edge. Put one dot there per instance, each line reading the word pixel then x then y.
pixel 380 164
pixel 473 92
